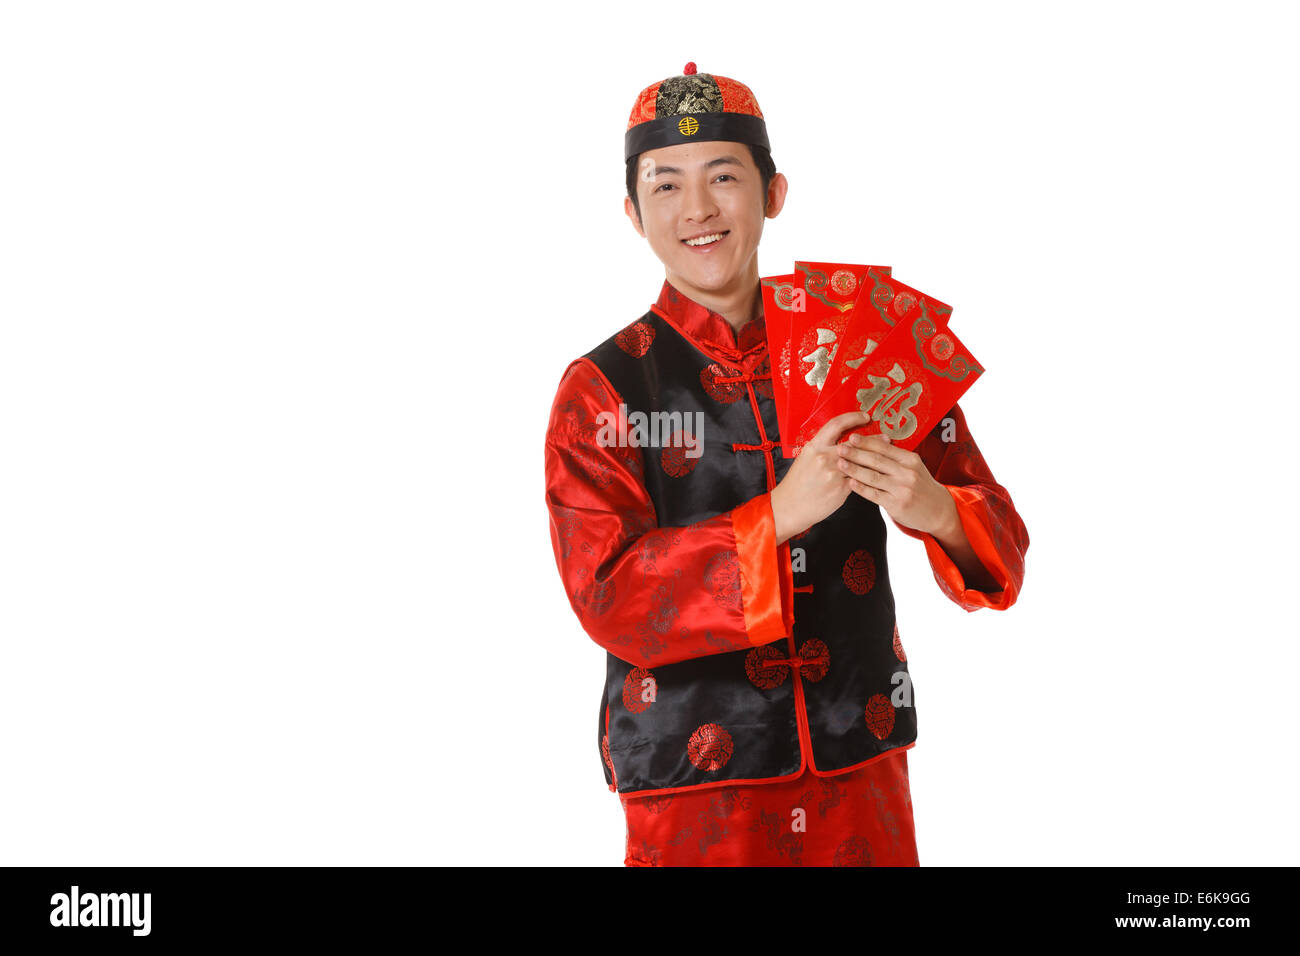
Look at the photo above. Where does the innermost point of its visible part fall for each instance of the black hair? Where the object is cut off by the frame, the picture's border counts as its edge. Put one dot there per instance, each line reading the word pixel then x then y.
pixel 762 159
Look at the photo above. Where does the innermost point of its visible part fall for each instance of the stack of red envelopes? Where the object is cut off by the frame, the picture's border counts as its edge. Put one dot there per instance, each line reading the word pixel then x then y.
pixel 847 337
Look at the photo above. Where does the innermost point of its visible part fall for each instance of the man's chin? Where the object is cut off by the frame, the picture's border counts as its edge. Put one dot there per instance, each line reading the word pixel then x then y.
pixel 709 280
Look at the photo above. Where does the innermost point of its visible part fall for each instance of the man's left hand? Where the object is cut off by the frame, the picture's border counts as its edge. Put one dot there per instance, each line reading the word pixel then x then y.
pixel 898 481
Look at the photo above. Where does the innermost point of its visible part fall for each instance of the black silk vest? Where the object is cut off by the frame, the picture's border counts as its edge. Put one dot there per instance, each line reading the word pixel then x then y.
pixel 838 687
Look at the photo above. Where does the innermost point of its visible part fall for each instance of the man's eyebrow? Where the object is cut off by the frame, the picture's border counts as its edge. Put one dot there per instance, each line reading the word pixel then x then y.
pixel 673 170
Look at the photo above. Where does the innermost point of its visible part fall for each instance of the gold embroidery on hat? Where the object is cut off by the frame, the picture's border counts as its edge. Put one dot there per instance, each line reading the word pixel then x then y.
pixel 688 125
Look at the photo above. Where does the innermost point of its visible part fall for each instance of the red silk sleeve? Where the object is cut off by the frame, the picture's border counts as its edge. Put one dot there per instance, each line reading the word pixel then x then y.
pixel 651 595
pixel 988 516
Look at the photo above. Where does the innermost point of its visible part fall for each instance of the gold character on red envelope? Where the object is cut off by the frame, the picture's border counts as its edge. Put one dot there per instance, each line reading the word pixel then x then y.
pixel 890 402
pixel 820 358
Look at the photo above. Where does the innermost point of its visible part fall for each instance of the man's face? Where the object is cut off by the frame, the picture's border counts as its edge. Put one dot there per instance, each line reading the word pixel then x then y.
pixel 700 191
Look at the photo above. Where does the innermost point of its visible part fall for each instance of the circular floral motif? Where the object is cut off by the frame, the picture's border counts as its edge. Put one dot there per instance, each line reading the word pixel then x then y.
pixel 816 282
pixel 855 851
pixel 710 747
pixel 898 646
pixel 595 597
pixel 637 521
pixel 880 716
pixel 722 575
pixel 676 462
pixel 658 804
pixel 765 678
pixel 636 338
pixel 598 472
pixel 843 282
pixel 636 690
pixel 815 338
pixel 816 657
pixel 726 392
pixel 904 302
pixel 860 572
pixel 941 347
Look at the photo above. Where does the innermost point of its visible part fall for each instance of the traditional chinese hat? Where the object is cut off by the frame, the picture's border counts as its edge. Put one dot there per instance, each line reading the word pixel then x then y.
pixel 691 108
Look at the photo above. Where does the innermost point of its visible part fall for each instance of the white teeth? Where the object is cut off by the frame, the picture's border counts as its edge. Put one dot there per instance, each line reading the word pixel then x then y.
pixel 704 240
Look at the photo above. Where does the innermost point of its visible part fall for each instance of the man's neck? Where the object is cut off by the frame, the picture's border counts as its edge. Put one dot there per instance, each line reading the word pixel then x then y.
pixel 738 306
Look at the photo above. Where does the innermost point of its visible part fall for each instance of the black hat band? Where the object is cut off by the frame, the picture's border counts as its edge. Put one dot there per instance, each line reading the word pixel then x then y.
pixel 694 128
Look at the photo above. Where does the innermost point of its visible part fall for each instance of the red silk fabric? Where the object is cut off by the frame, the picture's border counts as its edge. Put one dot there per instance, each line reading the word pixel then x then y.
pixel 863 818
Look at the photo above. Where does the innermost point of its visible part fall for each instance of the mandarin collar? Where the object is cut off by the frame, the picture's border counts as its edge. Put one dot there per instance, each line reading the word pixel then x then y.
pixel 707 327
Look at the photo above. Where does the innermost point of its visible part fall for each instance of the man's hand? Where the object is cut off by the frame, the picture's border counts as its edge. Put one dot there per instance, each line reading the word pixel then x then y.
pixel 814 487
pixel 898 481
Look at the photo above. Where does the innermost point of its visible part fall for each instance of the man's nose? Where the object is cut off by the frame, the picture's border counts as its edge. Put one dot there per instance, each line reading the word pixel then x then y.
pixel 699 204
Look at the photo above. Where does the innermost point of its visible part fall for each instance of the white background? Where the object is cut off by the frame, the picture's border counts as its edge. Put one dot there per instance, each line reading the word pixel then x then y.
pixel 287 290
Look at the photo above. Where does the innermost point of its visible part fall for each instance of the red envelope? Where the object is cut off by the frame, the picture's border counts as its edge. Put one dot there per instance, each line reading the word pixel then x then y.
pixel 881 303
pixel 823 298
pixel 778 296
pixel 907 384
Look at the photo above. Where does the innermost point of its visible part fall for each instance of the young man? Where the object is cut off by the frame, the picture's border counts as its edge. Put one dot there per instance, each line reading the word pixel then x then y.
pixel 757 706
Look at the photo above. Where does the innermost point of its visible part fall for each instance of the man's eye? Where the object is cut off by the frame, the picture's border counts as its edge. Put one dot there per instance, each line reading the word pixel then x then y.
pixel 726 176
pixel 664 186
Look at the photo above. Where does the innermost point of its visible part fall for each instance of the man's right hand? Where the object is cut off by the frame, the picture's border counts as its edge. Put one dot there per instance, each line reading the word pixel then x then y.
pixel 814 488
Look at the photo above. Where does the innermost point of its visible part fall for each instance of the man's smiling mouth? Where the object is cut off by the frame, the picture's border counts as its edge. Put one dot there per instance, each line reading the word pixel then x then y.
pixel 707 239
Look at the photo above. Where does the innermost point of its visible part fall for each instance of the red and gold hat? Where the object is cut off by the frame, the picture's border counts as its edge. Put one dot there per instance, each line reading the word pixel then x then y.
pixel 691 108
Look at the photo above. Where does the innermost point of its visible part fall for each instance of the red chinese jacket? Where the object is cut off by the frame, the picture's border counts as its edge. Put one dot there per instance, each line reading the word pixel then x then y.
pixel 730 659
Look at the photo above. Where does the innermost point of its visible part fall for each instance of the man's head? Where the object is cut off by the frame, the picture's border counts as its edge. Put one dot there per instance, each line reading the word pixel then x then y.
pixel 699 165
pixel 696 190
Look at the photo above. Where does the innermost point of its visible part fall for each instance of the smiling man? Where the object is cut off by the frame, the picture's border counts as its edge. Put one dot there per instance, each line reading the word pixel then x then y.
pixel 757 706
pixel 703 214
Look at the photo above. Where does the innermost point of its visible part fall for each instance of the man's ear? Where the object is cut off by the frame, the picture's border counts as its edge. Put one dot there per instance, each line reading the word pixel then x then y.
pixel 775 195
pixel 631 214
